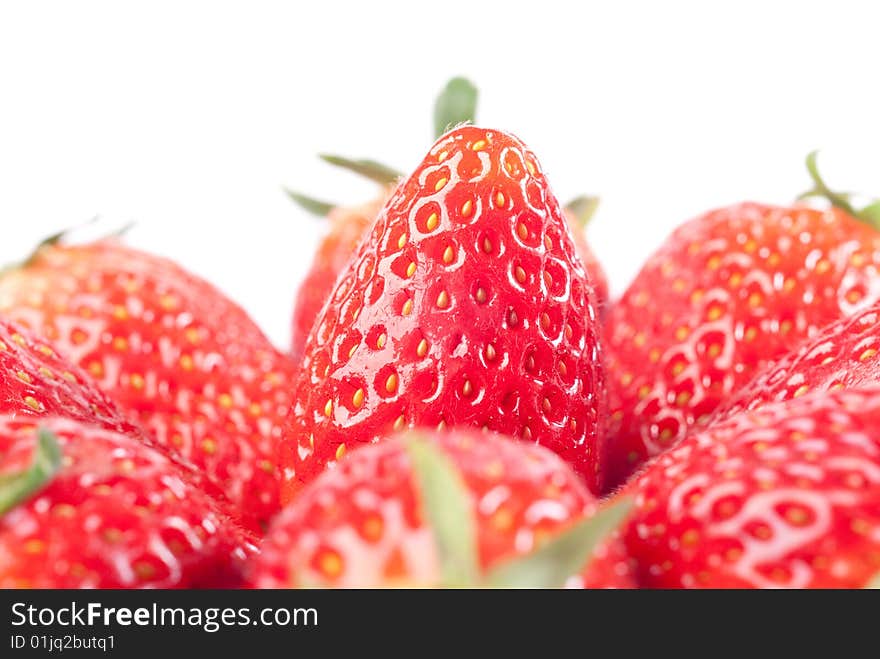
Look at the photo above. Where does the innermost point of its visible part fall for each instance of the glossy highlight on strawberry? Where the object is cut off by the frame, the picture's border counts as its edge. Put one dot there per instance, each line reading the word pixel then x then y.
pixel 726 295
pixel 465 305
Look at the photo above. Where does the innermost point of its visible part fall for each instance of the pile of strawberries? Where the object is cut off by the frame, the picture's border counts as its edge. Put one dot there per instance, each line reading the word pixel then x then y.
pixel 462 404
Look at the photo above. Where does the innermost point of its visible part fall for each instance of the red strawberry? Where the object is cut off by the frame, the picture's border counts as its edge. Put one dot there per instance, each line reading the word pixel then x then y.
pixel 786 496
pixel 728 293
pixel 466 305
pixel 467 508
pixel 842 355
pixel 112 513
pixel 455 105
pixel 170 348
pixel 35 381
pixel 347 227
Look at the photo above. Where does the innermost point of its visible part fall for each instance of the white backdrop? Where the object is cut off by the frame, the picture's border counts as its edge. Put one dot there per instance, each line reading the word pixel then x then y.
pixel 189 117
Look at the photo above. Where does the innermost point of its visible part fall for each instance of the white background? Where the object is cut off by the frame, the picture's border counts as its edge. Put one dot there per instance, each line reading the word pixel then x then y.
pixel 189 117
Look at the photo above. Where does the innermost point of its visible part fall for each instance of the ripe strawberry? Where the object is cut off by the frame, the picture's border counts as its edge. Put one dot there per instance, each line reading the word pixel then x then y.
pixel 347 227
pixel 111 513
pixel 35 381
pixel 466 305
pixel 171 349
pixel 842 355
pixel 786 496
pixel 728 293
pixel 455 105
pixel 467 508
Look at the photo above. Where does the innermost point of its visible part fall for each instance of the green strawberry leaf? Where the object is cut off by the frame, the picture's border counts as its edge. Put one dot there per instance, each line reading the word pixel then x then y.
pixel 583 208
pixel 310 204
pixel 18 487
pixel 456 104
pixel 871 214
pixel 375 171
pixel 551 564
pixel 448 510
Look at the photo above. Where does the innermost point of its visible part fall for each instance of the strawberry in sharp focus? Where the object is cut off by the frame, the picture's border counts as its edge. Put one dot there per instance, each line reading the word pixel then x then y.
pixel 843 355
pixel 455 105
pixel 86 507
pixel 460 508
pixel 787 496
pixel 169 348
pixel 466 306
pixel 728 293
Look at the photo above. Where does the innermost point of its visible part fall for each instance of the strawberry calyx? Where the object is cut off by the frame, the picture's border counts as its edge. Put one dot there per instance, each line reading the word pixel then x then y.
pixel 869 214
pixel 59 237
pixel 20 486
pixel 456 105
pixel 583 208
pixel 449 512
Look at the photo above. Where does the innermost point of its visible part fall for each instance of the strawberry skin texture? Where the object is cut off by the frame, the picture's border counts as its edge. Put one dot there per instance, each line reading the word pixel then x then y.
pixel 362 524
pixel 728 293
pixel 35 381
pixel 843 355
pixel 467 305
pixel 119 514
pixel 787 496
pixel 347 227
pixel 170 349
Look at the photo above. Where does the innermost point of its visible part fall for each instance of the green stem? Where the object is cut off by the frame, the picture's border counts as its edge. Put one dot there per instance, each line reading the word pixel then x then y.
pixel 20 486
pixel 869 214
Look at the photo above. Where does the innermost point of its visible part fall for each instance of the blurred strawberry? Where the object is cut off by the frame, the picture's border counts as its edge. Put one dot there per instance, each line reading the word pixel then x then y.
pixel 845 354
pixel 787 496
pixel 466 305
pixel 172 350
pixel 464 508
pixel 728 293
pixel 35 381
pixel 347 225
pixel 86 507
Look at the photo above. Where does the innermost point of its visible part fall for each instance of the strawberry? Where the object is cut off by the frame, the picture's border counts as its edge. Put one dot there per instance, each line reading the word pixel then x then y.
pixel 728 293
pixel 842 355
pixel 785 496
pixel 463 508
pixel 35 381
pixel 456 104
pixel 347 226
pixel 187 362
pixel 112 513
pixel 467 306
